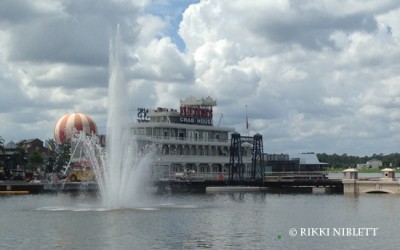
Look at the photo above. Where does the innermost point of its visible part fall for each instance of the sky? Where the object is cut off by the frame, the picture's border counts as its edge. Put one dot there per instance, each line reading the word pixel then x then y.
pixel 311 75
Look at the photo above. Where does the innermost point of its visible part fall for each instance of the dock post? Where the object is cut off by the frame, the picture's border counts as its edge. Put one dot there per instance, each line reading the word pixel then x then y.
pixel 388 174
pixel 350 177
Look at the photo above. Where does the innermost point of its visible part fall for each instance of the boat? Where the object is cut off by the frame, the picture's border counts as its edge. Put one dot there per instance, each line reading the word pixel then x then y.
pixel 187 143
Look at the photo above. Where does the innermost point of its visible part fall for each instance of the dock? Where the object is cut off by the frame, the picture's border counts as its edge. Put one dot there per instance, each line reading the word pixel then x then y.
pixel 23 187
pixel 282 181
pixel 293 182
pixel 20 187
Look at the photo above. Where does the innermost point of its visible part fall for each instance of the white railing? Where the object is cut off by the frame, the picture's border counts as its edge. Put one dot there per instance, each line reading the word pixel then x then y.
pixel 182 159
pixel 181 139
pixel 211 176
pixel 275 176
pixel 187 176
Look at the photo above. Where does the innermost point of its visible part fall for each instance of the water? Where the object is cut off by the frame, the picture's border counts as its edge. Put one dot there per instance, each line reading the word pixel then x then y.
pixel 121 172
pixel 203 221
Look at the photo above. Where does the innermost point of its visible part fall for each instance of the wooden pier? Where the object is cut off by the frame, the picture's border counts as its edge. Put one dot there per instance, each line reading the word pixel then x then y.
pixel 290 181
pixel 191 184
pixel 22 187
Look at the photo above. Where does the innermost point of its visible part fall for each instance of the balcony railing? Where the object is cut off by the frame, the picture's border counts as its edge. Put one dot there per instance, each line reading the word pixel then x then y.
pixel 180 139
pixel 196 176
pixel 209 159
pixel 187 176
pixel 291 176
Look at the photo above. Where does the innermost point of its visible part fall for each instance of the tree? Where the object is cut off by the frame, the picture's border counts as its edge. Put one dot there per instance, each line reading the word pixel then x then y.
pixel 51 160
pixel 346 161
pixel 59 155
pixel 63 156
pixel 35 160
pixel 1 144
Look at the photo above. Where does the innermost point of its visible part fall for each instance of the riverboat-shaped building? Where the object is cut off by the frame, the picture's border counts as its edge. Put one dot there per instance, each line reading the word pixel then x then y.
pixel 187 141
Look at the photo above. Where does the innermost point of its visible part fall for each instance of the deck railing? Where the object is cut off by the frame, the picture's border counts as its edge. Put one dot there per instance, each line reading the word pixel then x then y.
pixel 224 176
pixel 300 175
pixel 188 176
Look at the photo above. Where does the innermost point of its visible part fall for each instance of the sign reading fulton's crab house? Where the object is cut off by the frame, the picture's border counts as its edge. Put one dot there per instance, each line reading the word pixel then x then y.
pixel 196 115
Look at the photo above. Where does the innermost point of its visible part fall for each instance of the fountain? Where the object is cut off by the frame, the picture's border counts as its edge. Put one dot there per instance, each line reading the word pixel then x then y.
pixel 120 170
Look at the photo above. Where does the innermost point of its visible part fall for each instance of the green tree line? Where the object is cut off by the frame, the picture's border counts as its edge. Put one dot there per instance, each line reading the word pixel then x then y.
pixel 348 161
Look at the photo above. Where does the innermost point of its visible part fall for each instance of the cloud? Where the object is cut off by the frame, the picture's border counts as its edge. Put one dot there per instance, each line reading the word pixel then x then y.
pixel 74 32
pixel 56 58
pixel 315 75
pixel 305 69
pixel 154 62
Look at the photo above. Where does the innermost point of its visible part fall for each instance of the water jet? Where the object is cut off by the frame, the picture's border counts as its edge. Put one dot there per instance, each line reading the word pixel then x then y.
pixel 120 169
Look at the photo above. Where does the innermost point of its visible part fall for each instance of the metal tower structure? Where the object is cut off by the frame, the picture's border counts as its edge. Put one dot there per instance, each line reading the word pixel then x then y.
pixel 236 166
pixel 257 160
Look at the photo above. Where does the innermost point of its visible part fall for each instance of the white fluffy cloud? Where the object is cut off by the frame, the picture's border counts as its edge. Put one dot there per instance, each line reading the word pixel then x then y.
pixel 315 75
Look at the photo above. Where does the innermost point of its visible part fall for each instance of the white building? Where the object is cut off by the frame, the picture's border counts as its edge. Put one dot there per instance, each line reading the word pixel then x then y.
pixel 374 163
pixel 187 139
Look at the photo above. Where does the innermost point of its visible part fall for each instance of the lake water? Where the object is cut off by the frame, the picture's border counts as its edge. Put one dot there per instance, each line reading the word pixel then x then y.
pixel 202 221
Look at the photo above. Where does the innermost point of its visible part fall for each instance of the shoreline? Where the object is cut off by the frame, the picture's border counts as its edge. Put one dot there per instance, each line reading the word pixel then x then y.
pixel 363 170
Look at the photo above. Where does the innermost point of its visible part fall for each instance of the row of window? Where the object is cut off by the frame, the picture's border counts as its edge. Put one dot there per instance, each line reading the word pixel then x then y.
pixel 194 150
pixel 182 134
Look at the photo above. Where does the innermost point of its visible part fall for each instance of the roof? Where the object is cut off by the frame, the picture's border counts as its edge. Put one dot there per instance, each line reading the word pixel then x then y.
pixel 11 145
pixel 350 170
pixel 193 101
pixel 28 141
pixel 374 160
pixel 307 158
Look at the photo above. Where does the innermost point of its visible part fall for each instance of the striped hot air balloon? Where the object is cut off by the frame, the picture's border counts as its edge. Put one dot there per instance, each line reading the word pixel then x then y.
pixel 71 124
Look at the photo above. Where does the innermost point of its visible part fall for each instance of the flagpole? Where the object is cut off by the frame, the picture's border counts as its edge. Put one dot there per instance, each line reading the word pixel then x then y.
pixel 247 122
